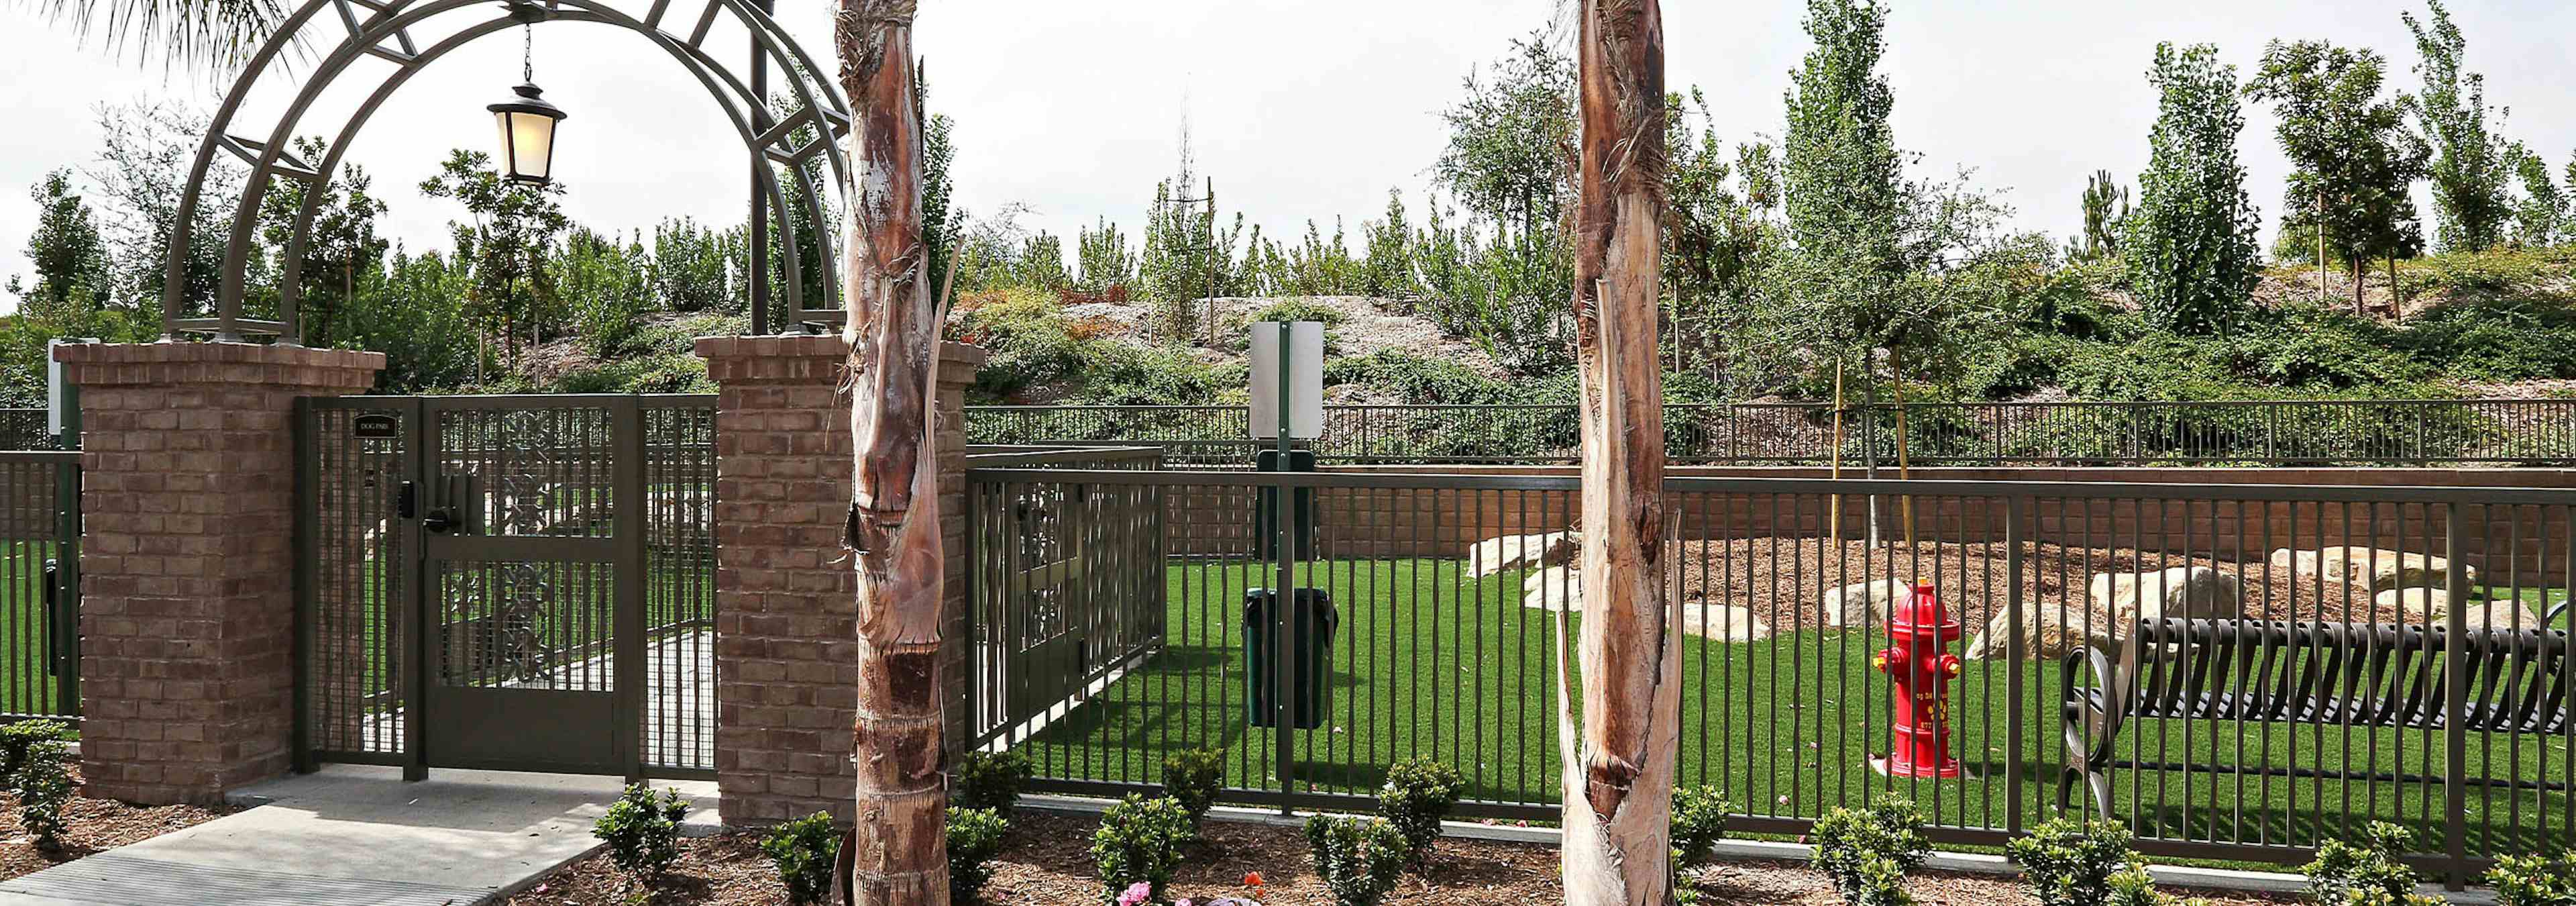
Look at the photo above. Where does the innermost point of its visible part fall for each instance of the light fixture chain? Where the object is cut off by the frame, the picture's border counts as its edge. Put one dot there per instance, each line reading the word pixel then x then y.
pixel 528 53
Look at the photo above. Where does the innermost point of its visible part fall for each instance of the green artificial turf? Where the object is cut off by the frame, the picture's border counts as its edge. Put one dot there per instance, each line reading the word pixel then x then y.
pixel 25 686
pixel 1428 663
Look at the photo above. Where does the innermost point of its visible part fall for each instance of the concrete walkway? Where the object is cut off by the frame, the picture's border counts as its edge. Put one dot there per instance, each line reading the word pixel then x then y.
pixel 355 835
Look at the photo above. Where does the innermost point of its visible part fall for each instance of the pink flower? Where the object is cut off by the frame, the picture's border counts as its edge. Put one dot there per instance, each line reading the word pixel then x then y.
pixel 1138 894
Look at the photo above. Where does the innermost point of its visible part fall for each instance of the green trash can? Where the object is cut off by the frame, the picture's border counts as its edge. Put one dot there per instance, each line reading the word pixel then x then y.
pixel 1310 627
pixel 1265 525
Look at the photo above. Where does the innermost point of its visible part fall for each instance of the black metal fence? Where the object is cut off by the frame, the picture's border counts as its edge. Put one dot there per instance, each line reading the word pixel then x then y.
pixel 39 585
pixel 2242 432
pixel 24 429
pixel 2235 671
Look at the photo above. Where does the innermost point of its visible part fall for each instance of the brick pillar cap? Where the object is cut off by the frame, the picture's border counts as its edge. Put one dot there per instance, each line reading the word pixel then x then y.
pixel 209 353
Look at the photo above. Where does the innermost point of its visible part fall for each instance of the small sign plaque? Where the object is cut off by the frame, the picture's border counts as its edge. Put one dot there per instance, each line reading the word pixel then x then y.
pixel 375 426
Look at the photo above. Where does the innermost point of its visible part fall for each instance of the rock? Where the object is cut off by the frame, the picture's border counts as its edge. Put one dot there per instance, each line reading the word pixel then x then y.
pixel 2380 569
pixel 2414 602
pixel 1724 622
pixel 2433 605
pixel 2191 592
pixel 2048 633
pixel 1553 588
pixel 1864 603
pixel 2113 602
pixel 1510 552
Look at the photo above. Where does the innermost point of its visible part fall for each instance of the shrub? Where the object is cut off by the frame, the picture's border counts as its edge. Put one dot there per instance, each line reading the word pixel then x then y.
pixel 16 738
pixel 1416 797
pixel 1139 842
pixel 1868 851
pixel 974 838
pixel 2343 870
pixel 1699 821
pixel 2535 880
pixel 804 851
pixel 1192 778
pixel 1299 310
pixel 643 831
pixel 991 780
pixel 2070 862
pixel 1358 859
pixel 44 786
pixel 2134 887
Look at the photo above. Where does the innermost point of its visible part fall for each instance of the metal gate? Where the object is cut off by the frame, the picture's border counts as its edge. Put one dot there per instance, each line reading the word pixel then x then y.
pixel 507 583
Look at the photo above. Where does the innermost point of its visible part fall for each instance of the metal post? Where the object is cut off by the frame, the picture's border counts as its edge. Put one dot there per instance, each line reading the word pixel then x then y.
pixel 301 739
pixel 627 658
pixel 758 276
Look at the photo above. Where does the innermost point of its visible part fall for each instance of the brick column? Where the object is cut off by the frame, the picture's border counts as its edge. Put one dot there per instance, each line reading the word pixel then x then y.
pixel 187 593
pixel 786 606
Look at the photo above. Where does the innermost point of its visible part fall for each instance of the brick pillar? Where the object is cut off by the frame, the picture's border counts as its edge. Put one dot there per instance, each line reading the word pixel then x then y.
pixel 786 607
pixel 187 592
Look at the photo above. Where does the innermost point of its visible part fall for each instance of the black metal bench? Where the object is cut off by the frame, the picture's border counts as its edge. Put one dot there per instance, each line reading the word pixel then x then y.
pixel 2344 674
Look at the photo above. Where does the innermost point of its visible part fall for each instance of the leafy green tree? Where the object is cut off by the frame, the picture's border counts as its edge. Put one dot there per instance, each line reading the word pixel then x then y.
pixel 69 254
pixel 1106 262
pixel 2541 215
pixel 145 154
pixel 607 288
pixel 340 247
pixel 511 231
pixel 1040 263
pixel 1185 257
pixel 1842 185
pixel 2472 165
pixel 689 267
pixel 415 313
pixel 1510 139
pixel 1388 265
pixel 2191 247
pixel 941 221
pixel 2106 204
pixel 1715 244
pixel 2355 160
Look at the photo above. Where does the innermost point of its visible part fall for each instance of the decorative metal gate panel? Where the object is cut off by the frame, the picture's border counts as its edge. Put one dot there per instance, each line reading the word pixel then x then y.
pixel 509 583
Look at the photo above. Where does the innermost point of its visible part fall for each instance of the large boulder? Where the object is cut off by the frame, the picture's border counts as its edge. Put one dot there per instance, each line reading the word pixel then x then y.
pixel 1510 552
pixel 1553 588
pixel 2376 568
pixel 1864 604
pixel 1723 622
pixel 2114 602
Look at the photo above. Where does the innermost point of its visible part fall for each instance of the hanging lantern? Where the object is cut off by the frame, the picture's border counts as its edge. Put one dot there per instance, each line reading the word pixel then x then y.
pixel 527 135
pixel 527 120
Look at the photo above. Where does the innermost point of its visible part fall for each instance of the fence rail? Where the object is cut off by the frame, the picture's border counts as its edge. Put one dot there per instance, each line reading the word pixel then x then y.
pixel 2237 432
pixel 2343 699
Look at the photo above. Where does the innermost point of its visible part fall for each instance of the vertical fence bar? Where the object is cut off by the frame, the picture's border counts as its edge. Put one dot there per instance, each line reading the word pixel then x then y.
pixel 2455 664
pixel 2015 676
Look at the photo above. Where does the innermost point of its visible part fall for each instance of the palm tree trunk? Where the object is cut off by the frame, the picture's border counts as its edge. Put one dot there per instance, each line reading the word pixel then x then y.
pixel 897 853
pixel 1619 767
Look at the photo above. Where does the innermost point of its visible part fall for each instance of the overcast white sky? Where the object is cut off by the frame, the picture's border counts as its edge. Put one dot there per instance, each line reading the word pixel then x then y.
pixel 1301 108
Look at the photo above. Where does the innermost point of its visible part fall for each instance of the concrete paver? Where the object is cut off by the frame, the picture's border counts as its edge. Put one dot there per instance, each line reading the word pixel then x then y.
pixel 355 835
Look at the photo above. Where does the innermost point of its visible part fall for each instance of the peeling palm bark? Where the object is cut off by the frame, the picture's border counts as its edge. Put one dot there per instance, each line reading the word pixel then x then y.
pixel 1620 752
pixel 896 854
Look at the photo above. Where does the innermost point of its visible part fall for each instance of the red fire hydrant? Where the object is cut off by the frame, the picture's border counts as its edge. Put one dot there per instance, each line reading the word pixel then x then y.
pixel 1919 630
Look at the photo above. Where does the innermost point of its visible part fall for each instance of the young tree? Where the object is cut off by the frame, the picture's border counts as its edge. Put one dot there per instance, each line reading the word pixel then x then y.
pixel 2355 160
pixel 2191 246
pixel 2472 166
pixel 2106 204
pixel 1621 749
pixel 341 246
pixel 511 230
pixel 69 255
pixel 1509 141
pixel 897 852
pixel 1106 262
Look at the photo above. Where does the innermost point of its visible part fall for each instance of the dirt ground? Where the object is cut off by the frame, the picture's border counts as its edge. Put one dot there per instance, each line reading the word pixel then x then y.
pixel 96 825
pixel 1793 574
pixel 1047 863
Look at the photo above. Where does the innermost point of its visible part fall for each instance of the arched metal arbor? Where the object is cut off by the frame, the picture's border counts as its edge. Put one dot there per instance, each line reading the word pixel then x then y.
pixel 383 30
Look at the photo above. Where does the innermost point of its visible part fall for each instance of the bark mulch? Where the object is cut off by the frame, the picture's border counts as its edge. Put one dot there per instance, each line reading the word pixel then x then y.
pixel 1047 863
pixel 96 825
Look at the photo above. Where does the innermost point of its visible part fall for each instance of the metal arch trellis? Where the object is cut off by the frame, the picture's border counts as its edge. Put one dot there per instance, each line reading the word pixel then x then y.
pixel 822 112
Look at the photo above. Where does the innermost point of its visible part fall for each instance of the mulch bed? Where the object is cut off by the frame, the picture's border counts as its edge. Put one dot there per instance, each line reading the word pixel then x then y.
pixel 1048 862
pixel 96 824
